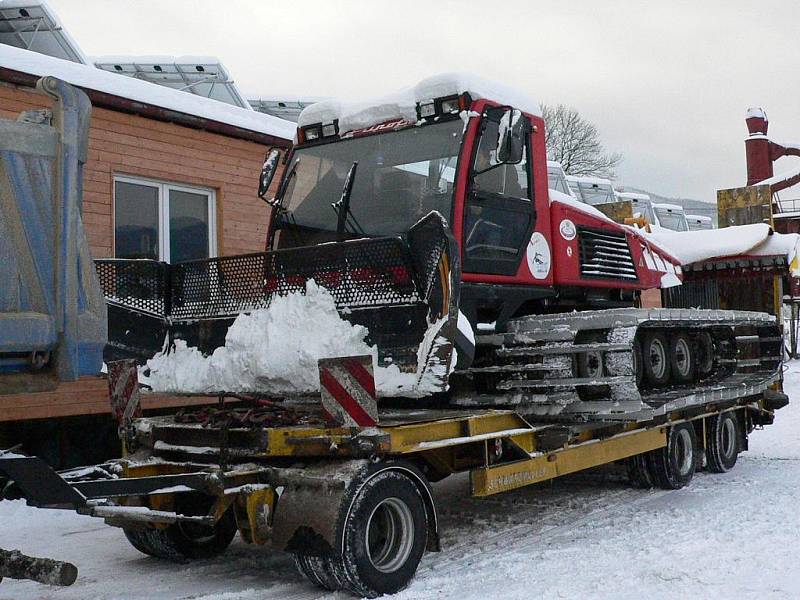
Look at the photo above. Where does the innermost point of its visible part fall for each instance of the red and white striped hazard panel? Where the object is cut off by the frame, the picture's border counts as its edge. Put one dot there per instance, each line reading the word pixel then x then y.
pixel 347 387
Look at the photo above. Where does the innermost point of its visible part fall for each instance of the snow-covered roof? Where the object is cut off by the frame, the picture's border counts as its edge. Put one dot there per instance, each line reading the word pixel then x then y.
pixel 403 104
pixel 91 78
pixel 753 240
pixel 554 164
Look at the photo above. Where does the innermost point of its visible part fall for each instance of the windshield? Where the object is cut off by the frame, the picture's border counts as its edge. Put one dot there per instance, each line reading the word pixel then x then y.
pixel 594 194
pixel 556 180
pixel 401 177
pixel 676 221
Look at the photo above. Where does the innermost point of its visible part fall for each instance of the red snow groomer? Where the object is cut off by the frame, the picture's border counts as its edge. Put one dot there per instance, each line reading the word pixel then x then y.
pixel 429 219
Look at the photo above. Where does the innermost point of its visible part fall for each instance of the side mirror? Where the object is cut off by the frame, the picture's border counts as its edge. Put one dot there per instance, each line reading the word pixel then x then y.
pixel 268 172
pixel 510 138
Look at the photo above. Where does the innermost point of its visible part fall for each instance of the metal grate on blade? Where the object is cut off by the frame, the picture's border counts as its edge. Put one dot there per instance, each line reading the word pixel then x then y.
pixel 140 285
pixel 358 274
pixel 605 255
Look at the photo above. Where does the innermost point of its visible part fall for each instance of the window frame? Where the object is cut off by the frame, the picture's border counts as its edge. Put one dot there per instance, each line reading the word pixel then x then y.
pixel 164 188
pixel 506 265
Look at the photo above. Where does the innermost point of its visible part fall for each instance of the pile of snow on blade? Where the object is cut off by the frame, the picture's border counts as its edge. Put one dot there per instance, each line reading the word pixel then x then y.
pixel 275 351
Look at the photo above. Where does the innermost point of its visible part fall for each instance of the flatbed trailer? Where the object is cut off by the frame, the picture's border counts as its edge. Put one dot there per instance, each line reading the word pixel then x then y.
pixel 354 504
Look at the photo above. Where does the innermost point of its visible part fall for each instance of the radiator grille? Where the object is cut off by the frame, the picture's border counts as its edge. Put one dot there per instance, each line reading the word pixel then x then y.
pixel 605 255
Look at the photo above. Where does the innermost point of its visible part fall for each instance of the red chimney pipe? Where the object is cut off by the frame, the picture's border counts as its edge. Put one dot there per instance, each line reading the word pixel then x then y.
pixel 757 147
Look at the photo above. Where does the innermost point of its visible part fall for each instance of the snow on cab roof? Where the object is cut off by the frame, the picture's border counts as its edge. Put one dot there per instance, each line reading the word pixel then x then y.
pixel 702 218
pixel 89 77
pixel 403 104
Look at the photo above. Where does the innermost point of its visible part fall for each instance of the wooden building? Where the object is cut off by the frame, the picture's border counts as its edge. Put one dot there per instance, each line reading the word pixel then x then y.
pixel 170 176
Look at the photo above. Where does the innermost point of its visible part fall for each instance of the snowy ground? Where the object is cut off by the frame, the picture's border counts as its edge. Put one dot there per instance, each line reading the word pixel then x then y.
pixel 725 536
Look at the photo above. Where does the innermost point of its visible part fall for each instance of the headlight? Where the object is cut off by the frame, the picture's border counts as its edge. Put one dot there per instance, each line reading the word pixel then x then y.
pixel 312 132
pixel 450 105
pixel 426 109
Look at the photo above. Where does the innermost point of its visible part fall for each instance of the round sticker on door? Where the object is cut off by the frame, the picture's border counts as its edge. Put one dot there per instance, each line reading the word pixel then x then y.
pixel 538 256
pixel 567 230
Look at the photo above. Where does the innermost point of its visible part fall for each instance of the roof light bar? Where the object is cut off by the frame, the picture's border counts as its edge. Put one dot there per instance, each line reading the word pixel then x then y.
pixel 318 131
pixel 442 107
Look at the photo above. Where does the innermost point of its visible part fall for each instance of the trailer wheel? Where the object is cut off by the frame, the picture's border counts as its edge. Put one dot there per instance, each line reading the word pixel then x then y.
pixel 138 538
pixel 655 352
pixel 318 571
pixel 683 363
pixel 385 534
pixel 638 473
pixel 672 467
pixel 181 541
pixel 723 443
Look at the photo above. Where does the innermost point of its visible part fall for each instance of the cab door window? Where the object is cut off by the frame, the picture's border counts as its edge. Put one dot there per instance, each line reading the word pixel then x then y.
pixel 499 216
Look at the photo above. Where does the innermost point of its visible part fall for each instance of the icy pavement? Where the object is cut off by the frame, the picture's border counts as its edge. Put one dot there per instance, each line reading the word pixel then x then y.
pixel 725 536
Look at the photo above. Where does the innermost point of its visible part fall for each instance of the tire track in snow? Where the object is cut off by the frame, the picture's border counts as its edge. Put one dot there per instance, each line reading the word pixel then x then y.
pixel 520 537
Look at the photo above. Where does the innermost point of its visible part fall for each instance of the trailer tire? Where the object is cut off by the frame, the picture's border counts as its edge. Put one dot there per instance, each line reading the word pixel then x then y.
pixel 656 355
pixel 638 473
pixel 672 467
pixel 683 360
pixel 385 534
pixel 181 541
pixel 724 442
pixel 318 571
pixel 138 539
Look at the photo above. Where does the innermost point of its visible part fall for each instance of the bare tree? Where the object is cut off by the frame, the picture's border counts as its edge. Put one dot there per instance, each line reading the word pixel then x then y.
pixel 574 142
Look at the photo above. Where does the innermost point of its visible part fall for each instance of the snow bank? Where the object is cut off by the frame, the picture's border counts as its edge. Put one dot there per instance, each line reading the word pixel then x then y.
pixel 402 104
pixel 89 77
pixel 275 351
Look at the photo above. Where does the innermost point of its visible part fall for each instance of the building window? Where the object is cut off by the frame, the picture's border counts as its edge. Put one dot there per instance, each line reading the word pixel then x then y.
pixel 163 221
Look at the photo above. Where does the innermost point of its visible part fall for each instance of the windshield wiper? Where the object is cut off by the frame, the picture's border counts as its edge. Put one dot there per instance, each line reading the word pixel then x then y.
pixel 342 206
pixel 277 201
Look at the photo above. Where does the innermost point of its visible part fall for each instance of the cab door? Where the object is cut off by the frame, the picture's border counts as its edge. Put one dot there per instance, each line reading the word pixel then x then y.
pixel 499 215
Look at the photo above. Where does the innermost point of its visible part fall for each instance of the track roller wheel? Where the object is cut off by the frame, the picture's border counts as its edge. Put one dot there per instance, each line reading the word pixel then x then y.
pixel 672 467
pixel 590 364
pixel 655 352
pixel 182 541
pixel 683 362
pixel 704 350
pixel 385 534
pixel 638 473
pixel 724 442
pixel 637 362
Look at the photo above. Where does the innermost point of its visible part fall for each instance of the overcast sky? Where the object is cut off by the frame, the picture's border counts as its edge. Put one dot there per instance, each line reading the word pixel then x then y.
pixel 667 83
